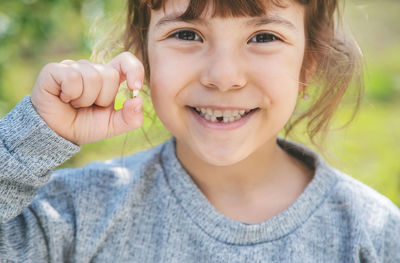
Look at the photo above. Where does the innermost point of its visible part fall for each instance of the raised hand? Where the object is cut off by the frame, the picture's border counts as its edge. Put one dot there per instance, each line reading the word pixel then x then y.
pixel 76 98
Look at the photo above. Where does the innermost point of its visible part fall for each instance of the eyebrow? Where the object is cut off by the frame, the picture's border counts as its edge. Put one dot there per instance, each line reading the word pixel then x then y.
pixel 271 19
pixel 175 17
pixel 257 21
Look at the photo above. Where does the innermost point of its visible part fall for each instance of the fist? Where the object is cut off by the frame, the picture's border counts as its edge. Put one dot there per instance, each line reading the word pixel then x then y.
pixel 76 98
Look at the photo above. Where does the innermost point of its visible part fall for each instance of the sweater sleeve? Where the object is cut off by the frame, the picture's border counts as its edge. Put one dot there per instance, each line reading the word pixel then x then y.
pixel 391 242
pixel 29 150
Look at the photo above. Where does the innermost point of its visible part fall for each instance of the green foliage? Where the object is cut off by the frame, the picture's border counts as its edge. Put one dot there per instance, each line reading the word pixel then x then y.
pixel 36 32
pixel 383 80
pixel 368 148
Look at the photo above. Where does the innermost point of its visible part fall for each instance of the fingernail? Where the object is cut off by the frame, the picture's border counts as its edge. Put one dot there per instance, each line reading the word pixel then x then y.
pixel 138 84
pixel 138 108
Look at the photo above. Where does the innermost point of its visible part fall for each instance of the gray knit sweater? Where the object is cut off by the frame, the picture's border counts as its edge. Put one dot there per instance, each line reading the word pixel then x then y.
pixel 149 209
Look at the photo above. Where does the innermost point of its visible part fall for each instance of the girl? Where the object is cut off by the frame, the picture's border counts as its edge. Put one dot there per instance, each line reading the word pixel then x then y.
pixel 224 78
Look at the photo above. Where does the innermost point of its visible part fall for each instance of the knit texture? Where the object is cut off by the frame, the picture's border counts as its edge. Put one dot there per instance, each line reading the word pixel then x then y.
pixel 146 208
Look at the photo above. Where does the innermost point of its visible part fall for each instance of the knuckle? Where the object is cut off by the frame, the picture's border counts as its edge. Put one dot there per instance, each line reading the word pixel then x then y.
pixel 137 67
pixel 94 76
pixel 73 76
pixel 84 61
pixel 67 61
pixel 49 67
pixel 132 58
pixel 112 73
pixel 127 54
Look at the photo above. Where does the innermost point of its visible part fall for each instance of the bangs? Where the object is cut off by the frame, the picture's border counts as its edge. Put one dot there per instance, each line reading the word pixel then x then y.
pixel 221 8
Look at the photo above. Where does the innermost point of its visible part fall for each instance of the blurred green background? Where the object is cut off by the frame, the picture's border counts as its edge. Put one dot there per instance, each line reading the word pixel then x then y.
pixel 36 32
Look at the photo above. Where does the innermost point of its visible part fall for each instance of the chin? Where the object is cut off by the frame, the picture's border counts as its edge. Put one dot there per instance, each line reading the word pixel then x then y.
pixel 221 156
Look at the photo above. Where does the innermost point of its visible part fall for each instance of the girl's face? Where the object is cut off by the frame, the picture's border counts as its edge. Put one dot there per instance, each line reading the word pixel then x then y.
pixel 225 64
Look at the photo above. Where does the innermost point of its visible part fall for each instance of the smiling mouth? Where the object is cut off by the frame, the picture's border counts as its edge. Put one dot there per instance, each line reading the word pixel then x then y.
pixel 220 116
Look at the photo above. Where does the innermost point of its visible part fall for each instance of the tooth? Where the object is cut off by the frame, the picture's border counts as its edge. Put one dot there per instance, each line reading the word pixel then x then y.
pixel 237 117
pixel 203 110
pixel 231 119
pixel 227 113
pixel 218 113
pixel 241 112
pixel 207 117
pixel 209 112
pixel 213 118
pixel 197 109
pixel 235 112
pixel 226 119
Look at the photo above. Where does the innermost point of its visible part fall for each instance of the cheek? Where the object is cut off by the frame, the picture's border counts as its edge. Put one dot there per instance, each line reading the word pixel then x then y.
pixel 171 72
pixel 279 75
pixel 161 78
pixel 279 78
pixel 167 79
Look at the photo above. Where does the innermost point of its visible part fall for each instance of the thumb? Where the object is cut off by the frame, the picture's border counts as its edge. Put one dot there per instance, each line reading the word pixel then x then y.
pixel 128 118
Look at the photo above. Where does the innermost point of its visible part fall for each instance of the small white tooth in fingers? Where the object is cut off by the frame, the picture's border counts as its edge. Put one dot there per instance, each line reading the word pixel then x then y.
pixel 135 93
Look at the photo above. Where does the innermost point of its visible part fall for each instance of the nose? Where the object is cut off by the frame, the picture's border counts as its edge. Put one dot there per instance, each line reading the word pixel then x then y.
pixel 223 70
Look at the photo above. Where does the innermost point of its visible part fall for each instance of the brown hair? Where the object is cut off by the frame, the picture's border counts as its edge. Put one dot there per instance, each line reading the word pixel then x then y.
pixel 334 54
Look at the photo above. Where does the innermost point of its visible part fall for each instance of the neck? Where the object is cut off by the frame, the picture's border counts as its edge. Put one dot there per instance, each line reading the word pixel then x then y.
pixel 256 170
pixel 242 190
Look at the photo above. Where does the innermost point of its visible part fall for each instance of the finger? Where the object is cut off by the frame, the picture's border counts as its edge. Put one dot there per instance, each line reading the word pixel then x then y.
pixel 130 68
pixel 110 87
pixel 128 118
pixel 111 82
pixel 92 84
pixel 61 80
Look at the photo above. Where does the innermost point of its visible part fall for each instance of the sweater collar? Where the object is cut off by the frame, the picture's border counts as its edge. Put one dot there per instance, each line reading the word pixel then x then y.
pixel 224 229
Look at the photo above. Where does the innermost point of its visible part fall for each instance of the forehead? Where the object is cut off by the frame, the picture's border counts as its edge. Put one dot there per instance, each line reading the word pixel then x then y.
pixel 192 9
pixel 284 12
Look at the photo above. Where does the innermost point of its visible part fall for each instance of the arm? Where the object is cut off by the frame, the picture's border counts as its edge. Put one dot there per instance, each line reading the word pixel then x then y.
pixel 28 151
pixel 72 103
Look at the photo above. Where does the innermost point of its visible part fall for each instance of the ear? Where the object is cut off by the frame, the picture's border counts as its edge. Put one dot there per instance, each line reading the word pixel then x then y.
pixel 308 71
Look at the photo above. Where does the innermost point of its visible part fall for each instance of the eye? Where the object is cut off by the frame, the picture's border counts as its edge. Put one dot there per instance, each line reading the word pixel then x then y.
pixel 186 35
pixel 264 38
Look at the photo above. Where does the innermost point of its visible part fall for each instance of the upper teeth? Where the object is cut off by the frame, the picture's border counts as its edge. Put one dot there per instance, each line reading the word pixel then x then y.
pixel 228 115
